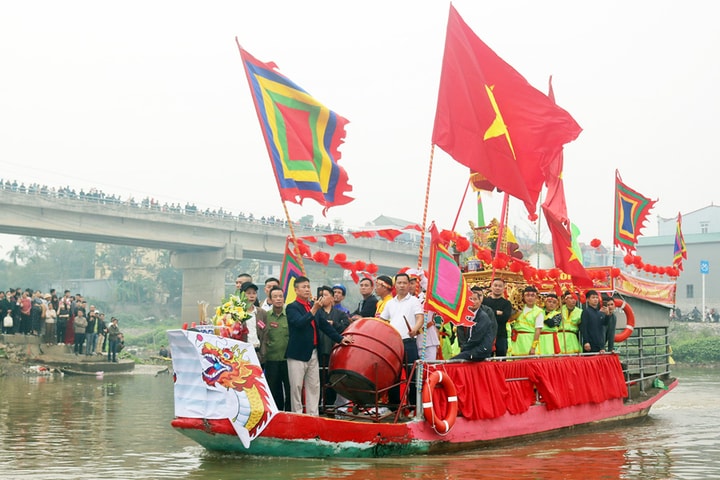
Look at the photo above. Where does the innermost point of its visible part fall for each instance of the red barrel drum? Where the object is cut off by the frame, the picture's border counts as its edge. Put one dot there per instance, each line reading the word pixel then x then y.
pixel 373 361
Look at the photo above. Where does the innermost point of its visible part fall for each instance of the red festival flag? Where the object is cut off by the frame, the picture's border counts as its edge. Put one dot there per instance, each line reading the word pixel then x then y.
pixel 566 258
pixel 302 136
pixel 552 170
pixel 680 250
pixel 631 212
pixel 447 291
pixel 490 119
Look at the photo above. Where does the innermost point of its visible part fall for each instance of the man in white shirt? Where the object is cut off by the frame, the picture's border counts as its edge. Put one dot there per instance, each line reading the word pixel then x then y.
pixel 405 314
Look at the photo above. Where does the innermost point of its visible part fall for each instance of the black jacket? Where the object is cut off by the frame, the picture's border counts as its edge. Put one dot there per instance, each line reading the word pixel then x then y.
pixel 482 336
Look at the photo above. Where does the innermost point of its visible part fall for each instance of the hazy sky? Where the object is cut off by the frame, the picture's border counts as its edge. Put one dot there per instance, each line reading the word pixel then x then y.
pixel 148 98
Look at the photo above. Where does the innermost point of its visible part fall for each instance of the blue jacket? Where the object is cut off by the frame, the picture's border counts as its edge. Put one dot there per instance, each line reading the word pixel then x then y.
pixel 301 342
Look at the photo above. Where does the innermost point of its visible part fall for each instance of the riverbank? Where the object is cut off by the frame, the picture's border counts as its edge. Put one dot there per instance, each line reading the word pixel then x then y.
pixel 26 355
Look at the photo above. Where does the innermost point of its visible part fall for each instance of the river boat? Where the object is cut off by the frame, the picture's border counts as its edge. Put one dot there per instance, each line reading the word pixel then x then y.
pixel 223 403
pixel 463 405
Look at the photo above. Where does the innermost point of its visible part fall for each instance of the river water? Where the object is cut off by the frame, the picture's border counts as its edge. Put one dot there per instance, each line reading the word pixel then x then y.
pixel 117 427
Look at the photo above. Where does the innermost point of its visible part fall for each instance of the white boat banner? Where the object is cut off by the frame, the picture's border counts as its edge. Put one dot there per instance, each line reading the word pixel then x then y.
pixel 217 377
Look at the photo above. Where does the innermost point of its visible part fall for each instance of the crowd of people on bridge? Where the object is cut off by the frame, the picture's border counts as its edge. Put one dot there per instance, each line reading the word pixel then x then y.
pixel 66 320
pixel 96 195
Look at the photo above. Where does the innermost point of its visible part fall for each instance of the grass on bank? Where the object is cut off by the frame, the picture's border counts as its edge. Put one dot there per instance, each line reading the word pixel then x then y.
pixel 695 344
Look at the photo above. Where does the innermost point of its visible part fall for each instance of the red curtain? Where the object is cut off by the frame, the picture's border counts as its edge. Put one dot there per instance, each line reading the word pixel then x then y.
pixel 489 389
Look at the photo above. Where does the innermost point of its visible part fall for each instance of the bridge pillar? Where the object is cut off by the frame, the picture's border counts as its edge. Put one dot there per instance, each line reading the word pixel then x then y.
pixel 204 278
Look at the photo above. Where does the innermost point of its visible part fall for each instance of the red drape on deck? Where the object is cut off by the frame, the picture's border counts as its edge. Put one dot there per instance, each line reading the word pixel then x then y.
pixel 489 389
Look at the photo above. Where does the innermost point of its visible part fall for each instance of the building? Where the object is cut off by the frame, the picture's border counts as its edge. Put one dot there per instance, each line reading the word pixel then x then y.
pixel 701 230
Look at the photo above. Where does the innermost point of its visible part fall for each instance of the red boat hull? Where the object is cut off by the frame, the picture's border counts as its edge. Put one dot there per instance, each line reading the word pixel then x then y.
pixel 295 435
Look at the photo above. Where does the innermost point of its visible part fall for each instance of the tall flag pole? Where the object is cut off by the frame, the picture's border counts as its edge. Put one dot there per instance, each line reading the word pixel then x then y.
pixel 680 250
pixel 490 119
pixel 631 212
pixel 302 136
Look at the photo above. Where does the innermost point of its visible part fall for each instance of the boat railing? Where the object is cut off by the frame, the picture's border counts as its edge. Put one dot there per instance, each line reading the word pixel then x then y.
pixel 645 356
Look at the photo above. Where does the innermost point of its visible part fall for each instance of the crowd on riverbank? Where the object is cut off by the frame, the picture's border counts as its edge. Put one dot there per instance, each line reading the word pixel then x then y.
pixel 66 320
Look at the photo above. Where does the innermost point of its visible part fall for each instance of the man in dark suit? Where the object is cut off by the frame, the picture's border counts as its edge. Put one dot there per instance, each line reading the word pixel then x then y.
pixel 302 349
pixel 368 305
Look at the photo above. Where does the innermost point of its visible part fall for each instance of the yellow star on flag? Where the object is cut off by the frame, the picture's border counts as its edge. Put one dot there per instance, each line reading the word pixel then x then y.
pixel 498 127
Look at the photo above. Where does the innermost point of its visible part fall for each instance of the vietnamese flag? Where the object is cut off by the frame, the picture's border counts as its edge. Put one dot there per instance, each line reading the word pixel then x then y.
pixel 490 119
pixel 566 258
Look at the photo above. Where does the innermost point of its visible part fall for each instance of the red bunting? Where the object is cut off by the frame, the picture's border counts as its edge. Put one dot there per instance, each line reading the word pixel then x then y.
pixel 389 234
pixel 363 234
pixel 332 238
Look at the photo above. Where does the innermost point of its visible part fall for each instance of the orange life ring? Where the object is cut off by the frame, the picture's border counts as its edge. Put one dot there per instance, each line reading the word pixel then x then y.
pixel 630 327
pixel 440 425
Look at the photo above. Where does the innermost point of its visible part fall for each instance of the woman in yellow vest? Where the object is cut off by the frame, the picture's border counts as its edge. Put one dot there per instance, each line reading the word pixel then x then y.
pixel 526 328
pixel 568 331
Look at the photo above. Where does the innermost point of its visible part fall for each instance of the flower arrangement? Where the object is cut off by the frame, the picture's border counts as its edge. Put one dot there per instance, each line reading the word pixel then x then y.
pixel 233 309
pixel 230 316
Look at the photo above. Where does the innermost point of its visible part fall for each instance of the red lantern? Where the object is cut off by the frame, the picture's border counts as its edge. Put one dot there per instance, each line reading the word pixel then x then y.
pixel 614 272
pixel 447 236
pixel 595 242
pixel 462 244
pixel 371 268
pixel 321 257
pixel 628 259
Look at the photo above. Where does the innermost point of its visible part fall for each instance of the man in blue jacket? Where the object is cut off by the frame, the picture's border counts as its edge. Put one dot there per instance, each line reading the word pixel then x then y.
pixel 302 349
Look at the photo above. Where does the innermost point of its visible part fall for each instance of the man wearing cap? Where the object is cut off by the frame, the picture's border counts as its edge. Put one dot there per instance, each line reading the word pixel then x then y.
pixel 383 288
pixel 258 316
pixel 525 336
pixel 338 293
pixel 302 349
pixel 570 326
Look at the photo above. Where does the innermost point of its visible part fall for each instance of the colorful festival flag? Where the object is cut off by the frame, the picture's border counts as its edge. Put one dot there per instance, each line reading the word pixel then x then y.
pixel 290 270
pixel 218 377
pixel 490 119
pixel 447 291
pixel 631 212
pixel 566 259
pixel 302 136
pixel 680 251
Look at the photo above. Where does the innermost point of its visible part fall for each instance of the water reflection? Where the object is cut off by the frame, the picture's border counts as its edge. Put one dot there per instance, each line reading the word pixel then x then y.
pixel 118 427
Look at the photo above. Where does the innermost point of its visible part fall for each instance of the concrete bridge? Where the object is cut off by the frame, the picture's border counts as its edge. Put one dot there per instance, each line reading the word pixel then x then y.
pixel 203 247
